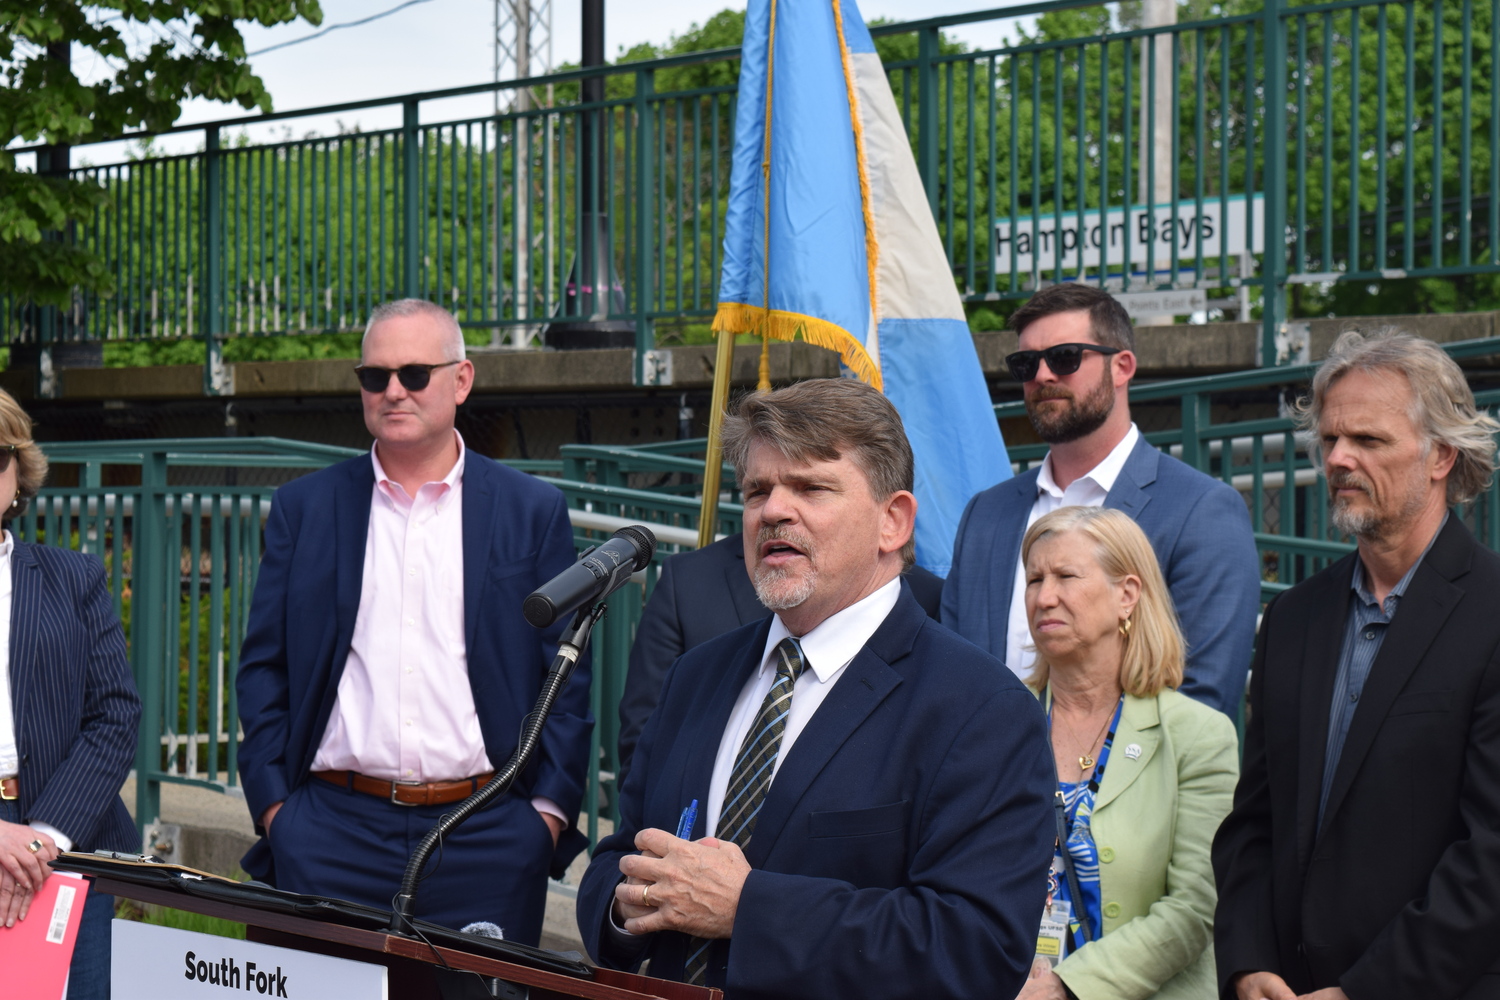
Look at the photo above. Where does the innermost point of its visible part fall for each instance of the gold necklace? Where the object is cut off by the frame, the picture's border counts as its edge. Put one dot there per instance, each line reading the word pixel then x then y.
pixel 1086 759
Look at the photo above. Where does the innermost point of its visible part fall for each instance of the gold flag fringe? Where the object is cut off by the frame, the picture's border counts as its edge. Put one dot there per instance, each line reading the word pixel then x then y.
pixel 738 317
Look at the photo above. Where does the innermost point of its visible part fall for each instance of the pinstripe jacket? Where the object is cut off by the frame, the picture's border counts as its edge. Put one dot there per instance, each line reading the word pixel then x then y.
pixel 73 696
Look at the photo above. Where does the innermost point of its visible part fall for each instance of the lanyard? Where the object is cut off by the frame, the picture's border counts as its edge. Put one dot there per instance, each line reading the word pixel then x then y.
pixel 1065 819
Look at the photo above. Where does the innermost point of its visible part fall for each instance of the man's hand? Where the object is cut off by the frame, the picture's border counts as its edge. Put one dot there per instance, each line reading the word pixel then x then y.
pixel 270 814
pixel 22 871
pixel 553 823
pixel 674 885
pixel 1263 986
pixel 1042 983
pixel 1332 993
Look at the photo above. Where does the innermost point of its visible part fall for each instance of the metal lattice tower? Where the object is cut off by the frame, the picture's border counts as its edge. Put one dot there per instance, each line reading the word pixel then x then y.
pixel 523 47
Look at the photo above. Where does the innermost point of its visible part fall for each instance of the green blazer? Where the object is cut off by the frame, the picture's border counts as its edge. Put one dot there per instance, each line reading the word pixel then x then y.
pixel 1154 821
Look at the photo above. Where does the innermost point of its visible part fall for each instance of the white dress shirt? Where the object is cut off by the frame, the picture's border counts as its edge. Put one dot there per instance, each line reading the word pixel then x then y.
pixel 10 756
pixel 1089 490
pixel 826 650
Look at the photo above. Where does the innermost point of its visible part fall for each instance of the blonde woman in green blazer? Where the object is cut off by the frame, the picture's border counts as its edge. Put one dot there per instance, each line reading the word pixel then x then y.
pixel 1109 656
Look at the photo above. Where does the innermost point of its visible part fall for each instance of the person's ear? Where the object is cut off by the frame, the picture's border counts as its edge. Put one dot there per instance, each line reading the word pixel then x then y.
pixel 898 522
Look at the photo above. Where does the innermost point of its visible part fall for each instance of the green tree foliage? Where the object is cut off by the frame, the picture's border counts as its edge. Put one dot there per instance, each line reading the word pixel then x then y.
pixel 1388 156
pixel 196 51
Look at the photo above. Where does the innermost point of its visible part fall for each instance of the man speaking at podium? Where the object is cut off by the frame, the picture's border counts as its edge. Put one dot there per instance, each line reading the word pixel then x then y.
pixel 387 668
pixel 861 797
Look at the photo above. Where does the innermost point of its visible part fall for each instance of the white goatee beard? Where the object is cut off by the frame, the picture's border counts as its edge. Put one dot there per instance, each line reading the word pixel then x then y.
pixel 779 589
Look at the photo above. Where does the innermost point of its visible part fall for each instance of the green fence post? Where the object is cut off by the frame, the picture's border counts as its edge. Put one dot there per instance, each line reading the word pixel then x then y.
pixel 148 609
pixel 216 380
pixel 1195 419
pixel 645 337
pixel 1273 264
pixel 411 141
pixel 927 114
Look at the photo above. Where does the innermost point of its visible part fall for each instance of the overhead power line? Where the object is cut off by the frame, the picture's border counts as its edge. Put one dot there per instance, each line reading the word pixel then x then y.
pixel 336 27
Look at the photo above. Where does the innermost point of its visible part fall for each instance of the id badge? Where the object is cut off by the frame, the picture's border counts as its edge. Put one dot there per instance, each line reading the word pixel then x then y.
pixel 1053 934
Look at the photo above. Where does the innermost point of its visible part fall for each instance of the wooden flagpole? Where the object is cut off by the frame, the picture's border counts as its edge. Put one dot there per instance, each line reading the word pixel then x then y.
pixel 713 459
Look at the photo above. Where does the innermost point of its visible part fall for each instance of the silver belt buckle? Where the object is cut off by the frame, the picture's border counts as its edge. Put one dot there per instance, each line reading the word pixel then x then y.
pixel 397 802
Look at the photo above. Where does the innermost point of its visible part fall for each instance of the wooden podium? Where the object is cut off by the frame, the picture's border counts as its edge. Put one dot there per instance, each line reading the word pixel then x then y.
pixel 415 967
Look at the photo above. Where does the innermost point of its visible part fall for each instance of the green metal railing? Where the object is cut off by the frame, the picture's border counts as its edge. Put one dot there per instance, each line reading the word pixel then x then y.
pixel 1266 460
pixel 1357 140
pixel 182 559
pixel 181 562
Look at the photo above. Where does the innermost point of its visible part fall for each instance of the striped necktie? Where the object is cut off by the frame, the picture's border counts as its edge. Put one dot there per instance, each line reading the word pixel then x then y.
pixel 751 778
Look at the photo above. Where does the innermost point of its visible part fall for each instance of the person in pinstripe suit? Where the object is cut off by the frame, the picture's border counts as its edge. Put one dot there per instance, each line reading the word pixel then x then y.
pixel 68 712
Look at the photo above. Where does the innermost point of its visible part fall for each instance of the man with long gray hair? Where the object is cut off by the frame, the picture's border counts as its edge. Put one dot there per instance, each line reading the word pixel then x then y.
pixel 1363 852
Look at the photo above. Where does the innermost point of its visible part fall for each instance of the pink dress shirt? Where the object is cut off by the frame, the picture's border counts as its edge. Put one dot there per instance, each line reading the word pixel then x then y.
pixel 405 709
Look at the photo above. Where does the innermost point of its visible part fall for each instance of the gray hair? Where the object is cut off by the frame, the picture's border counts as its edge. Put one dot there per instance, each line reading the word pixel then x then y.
pixel 454 351
pixel 1442 404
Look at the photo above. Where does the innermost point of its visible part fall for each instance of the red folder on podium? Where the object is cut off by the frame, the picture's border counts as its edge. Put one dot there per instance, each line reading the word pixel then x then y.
pixel 36 952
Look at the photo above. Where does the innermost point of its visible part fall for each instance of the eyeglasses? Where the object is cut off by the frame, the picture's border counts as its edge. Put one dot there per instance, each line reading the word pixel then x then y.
pixel 1062 359
pixel 413 377
pixel 7 452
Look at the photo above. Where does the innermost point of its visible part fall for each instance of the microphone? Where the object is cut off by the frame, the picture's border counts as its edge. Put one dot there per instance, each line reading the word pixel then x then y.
pixel 602 571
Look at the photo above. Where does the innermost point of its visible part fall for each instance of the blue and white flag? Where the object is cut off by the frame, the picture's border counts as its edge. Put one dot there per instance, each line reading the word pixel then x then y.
pixel 829 235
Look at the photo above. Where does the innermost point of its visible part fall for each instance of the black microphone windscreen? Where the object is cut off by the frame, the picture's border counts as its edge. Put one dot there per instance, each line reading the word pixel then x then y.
pixel 644 541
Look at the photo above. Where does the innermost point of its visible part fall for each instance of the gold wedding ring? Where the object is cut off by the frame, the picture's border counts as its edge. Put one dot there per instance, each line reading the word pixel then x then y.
pixel 646 896
pixel 34 846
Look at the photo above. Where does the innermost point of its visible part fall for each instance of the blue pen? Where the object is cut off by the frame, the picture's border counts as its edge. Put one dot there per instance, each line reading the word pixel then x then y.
pixel 689 817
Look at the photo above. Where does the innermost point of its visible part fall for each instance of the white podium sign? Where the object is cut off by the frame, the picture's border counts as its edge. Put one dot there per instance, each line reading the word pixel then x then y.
pixel 162 963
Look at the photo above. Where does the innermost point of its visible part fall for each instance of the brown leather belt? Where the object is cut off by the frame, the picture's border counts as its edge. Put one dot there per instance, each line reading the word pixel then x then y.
pixel 9 789
pixel 407 793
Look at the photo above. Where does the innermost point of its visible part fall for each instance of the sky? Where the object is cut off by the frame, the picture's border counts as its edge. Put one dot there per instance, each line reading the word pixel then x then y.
pixel 437 44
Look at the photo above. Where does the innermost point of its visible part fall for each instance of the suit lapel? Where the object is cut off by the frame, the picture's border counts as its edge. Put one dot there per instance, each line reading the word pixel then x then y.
pixel 1005 555
pixel 25 605
pixel 865 683
pixel 1140 726
pixel 697 774
pixel 1327 610
pixel 1420 615
pixel 352 525
pixel 1139 471
pixel 478 531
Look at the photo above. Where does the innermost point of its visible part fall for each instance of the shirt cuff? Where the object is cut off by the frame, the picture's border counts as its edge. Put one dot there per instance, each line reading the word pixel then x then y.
pixel 617 929
pixel 63 841
pixel 547 807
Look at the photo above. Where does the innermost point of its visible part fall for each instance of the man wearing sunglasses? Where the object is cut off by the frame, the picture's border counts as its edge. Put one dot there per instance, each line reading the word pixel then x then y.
pixel 1075 363
pixel 387 669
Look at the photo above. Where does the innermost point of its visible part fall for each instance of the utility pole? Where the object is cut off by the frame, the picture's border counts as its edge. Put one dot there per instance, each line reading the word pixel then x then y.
pixel 523 48
pixel 1157 127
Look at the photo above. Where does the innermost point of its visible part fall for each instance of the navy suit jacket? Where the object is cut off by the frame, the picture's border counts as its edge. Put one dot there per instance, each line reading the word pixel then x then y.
pixel 902 849
pixel 516 537
pixel 702 594
pixel 1200 531
pixel 74 699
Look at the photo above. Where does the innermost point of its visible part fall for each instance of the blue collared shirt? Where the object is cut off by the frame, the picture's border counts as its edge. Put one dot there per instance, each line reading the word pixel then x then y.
pixel 1364 633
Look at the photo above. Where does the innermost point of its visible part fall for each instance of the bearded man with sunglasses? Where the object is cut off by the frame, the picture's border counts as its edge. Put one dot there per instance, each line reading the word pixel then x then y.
pixel 386 668
pixel 1075 363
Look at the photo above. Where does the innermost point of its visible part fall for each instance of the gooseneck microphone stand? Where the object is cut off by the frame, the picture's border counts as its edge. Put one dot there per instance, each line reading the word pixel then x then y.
pixel 572 645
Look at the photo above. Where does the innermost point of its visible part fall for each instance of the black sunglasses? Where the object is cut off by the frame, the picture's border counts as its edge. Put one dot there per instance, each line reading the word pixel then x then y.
pixel 1062 359
pixel 413 377
pixel 7 452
